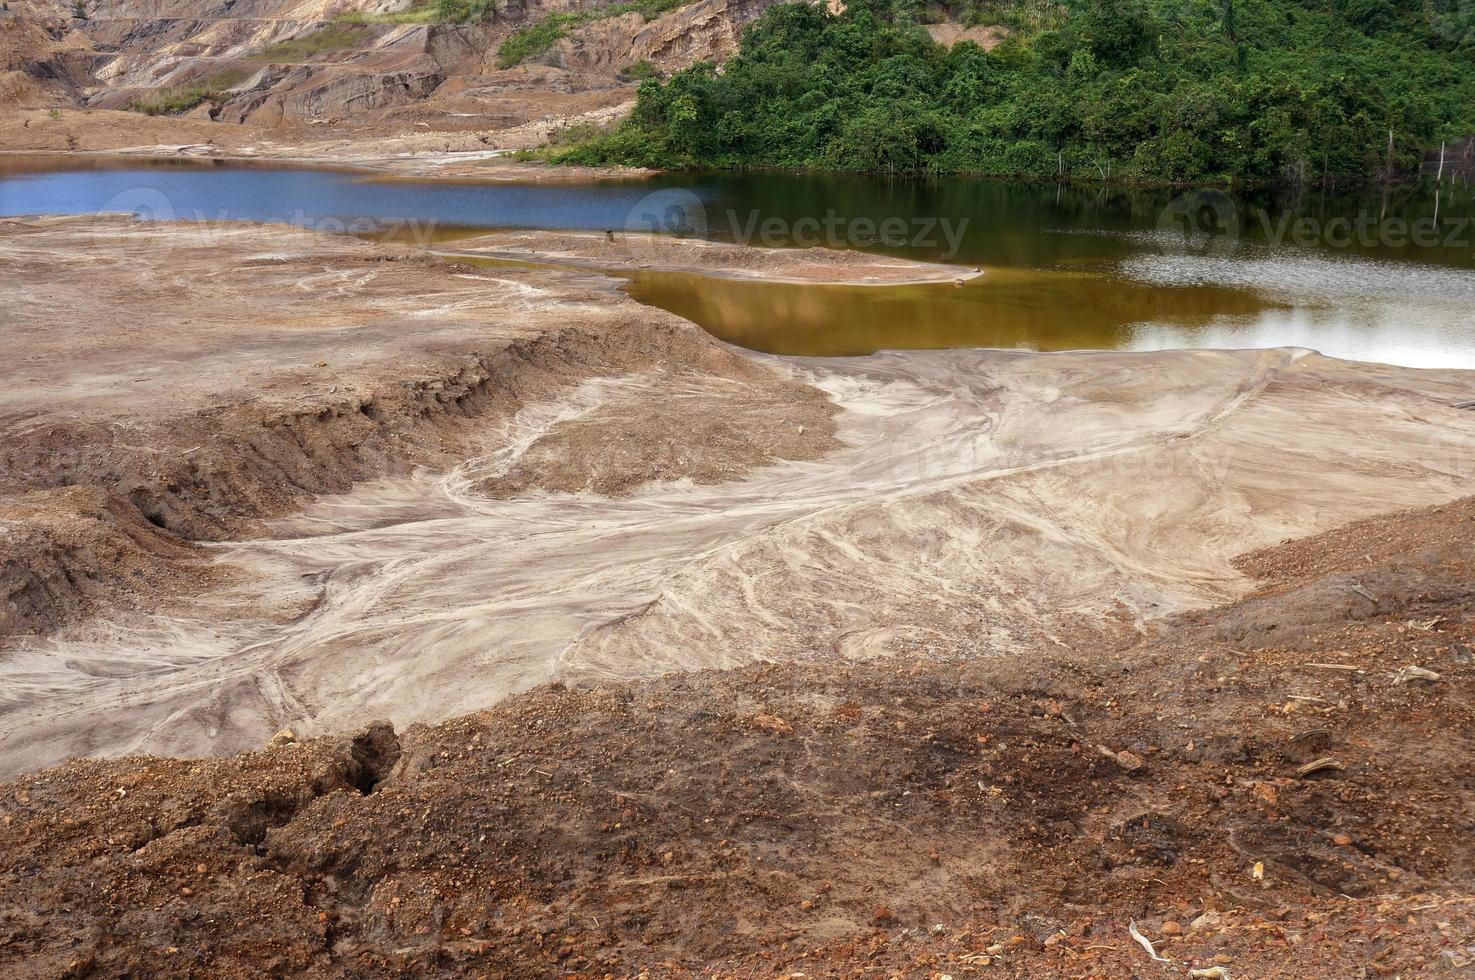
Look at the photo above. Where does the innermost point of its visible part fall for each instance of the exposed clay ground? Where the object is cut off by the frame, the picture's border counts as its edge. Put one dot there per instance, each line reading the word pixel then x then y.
pixel 619 250
pixel 984 816
pixel 1039 660
pixel 376 84
pixel 181 382
pixel 907 503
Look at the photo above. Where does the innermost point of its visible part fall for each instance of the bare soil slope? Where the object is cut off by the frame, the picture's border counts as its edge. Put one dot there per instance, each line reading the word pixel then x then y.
pixel 1298 806
pixel 359 80
pixel 174 383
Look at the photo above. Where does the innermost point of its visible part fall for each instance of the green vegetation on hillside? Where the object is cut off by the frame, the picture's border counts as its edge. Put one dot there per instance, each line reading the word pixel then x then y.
pixel 1153 90
pixel 419 12
pixel 182 98
pixel 432 12
pixel 461 11
pixel 535 39
pixel 172 101
pixel 639 71
pixel 330 37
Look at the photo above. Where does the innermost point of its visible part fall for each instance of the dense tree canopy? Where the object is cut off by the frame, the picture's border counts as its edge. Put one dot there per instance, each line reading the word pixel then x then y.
pixel 1181 90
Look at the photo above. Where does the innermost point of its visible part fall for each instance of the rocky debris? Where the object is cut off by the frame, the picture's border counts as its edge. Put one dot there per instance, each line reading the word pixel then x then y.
pixel 772 724
pixel 912 816
pixel 707 30
pixel 1413 672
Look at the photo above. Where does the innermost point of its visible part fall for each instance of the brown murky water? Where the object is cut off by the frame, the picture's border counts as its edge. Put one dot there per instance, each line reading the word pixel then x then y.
pixel 1012 308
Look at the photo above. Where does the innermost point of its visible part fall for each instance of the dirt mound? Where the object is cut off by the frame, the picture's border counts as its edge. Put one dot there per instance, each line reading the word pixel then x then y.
pixel 69 552
pixel 38 65
pixel 17 88
pixel 678 426
pixel 1245 806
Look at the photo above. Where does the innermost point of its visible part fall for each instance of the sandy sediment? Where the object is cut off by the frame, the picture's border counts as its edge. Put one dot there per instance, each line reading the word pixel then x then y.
pixel 616 251
pixel 200 378
pixel 475 481
pixel 1017 657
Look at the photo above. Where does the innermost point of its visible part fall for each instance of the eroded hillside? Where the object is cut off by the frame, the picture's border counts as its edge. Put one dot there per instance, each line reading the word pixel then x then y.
pixel 506 75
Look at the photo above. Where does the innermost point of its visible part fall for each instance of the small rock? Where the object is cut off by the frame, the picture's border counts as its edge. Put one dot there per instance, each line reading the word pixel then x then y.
pixel 1129 761
pixel 1342 840
pixel 284 737
pixel 1209 920
pixel 772 723
pixel 1171 929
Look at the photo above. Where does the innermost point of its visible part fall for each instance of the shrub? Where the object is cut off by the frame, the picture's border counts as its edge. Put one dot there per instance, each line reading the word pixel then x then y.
pixel 1248 91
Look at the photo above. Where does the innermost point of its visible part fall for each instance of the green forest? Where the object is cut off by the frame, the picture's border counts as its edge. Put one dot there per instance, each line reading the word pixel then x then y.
pixel 1232 91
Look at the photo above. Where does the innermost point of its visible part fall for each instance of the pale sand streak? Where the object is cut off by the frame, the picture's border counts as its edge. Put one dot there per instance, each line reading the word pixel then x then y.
pixel 982 500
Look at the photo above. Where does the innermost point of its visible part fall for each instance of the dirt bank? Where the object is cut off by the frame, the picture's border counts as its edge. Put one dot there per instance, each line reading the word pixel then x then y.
pixel 619 250
pixel 988 816
pixel 729 426
pixel 204 377
pixel 86 137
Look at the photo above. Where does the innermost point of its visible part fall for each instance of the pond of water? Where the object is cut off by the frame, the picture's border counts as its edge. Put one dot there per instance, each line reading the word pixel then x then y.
pixel 1379 274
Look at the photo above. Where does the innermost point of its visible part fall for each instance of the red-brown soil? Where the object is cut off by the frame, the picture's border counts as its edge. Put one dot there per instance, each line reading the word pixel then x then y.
pixel 985 816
